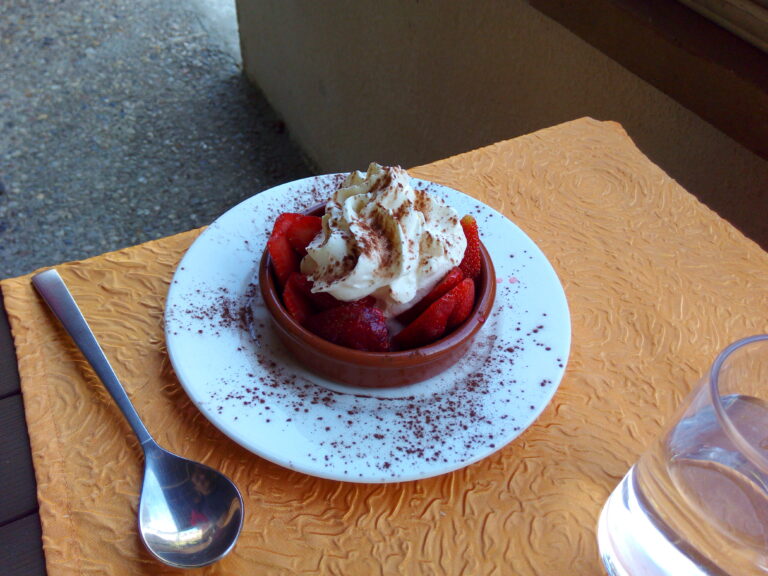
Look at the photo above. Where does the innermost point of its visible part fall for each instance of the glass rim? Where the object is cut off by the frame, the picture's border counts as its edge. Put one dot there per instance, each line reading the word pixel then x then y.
pixel 731 430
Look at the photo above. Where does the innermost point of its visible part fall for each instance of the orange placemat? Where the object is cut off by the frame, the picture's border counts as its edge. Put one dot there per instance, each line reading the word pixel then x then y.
pixel 656 283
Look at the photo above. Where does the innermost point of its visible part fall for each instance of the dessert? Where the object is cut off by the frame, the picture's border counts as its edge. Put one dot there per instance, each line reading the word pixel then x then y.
pixel 386 266
pixel 382 237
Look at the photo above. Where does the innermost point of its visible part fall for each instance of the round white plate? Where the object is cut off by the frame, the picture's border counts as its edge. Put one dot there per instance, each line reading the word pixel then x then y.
pixel 235 370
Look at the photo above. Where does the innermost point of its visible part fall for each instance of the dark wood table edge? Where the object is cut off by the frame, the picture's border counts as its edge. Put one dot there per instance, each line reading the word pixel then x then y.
pixel 21 547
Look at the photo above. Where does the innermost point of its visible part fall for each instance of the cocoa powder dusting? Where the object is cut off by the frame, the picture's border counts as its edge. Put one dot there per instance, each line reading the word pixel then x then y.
pixel 390 432
pixel 383 182
pixel 372 241
pixel 476 409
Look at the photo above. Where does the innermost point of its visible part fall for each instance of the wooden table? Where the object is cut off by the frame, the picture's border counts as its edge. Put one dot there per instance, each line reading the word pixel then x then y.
pixel 657 284
pixel 20 545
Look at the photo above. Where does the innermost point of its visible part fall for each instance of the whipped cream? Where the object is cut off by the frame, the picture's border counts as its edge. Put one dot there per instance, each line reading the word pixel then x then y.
pixel 384 238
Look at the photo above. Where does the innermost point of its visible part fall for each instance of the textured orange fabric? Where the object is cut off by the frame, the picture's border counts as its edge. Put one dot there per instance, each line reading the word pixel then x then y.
pixel 657 285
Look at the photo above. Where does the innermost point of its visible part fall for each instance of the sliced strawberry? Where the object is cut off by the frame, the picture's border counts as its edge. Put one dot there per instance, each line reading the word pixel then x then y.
pixel 322 300
pixel 294 300
pixel 470 264
pixel 302 231
pixel 285 261
pixel 353 326
pixel 366 301
pixel 429 326
pixel 454 276
pixel 283 224
pixel 464 294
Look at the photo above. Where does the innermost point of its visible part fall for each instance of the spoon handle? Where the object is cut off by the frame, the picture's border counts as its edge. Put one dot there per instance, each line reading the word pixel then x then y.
pixel 56 294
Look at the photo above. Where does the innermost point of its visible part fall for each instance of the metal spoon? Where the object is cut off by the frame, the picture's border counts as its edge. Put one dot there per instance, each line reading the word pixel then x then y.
pixel 190 515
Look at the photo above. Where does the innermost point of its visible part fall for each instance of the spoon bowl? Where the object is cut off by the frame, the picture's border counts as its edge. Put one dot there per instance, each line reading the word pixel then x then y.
pixel 190 515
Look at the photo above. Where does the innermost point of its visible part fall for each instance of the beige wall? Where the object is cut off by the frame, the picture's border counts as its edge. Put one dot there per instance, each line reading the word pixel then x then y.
pixel 408 82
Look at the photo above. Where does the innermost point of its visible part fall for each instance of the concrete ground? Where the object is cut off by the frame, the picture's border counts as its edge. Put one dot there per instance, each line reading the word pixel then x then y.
pixel 124 121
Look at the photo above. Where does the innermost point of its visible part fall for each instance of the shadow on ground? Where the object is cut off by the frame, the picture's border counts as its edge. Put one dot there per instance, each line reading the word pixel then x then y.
pixel 121 123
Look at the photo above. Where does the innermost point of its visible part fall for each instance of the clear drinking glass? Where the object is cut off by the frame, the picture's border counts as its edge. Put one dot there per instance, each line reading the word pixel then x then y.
pixel 697 501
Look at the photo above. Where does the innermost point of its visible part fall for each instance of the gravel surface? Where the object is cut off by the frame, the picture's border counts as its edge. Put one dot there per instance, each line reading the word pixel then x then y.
pixel 124 121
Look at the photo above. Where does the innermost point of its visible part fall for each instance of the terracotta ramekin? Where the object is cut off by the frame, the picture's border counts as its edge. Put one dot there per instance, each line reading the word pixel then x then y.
pixel 377 369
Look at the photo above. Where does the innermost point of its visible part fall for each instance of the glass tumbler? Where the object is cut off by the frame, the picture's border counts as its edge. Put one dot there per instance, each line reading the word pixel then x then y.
pixel 697 501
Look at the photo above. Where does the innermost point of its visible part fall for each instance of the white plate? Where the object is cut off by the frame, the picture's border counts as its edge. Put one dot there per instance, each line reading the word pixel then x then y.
pixel 237 373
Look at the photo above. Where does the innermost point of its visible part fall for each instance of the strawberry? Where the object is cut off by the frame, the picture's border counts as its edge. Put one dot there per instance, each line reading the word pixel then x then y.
pixel 353 326
pixel 454 276
pixel 464 294
pixel 322 300
pixel 285 261
pixel 294 299
pixel 369 301
pixel 429 326
pixel 319 300
pixel 302 231
pixel 470 264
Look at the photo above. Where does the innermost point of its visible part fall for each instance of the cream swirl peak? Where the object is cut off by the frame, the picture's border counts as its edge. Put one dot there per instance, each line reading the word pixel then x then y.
pixel 384 238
